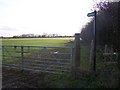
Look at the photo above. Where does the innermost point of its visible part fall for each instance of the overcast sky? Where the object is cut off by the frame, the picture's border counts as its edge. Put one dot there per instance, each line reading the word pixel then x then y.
pixel 63 17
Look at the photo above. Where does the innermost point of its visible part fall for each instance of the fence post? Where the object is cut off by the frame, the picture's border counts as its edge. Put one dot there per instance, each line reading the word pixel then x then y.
pixel 2 51
pixel 71 55
pixel 22 55
pixel 77 50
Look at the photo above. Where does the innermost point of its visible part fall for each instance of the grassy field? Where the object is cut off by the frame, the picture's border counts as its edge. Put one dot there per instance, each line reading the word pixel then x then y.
pixel 50 80
pixel 49 42
pixel 105 76
pixel 37 41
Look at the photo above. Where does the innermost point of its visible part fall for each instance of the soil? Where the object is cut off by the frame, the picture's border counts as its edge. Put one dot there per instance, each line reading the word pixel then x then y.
pixel 13 78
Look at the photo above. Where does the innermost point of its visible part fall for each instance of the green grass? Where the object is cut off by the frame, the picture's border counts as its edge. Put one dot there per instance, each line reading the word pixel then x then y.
pixel 11 51
pixel 84 63
pixel 85 52
pixel 37 41
pixel 106 75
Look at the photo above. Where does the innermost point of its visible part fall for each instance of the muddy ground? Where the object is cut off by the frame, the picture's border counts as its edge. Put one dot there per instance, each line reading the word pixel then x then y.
pixel 12 78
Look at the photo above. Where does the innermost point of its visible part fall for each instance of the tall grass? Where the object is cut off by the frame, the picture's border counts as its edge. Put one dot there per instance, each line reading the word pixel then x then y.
pixel 85 52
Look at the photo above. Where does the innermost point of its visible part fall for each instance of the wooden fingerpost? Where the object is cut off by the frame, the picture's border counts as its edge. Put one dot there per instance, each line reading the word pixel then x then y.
pixel 77 50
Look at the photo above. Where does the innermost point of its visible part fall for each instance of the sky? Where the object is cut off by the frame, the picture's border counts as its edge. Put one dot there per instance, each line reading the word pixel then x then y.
pixel 62 17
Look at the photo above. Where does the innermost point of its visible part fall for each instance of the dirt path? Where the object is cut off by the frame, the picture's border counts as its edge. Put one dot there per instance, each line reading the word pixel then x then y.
pixel 21 79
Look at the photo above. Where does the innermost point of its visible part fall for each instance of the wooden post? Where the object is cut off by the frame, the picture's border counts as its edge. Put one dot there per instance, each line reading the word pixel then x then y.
pixel 22 55
pixel 2 52
pixel 77 50
pixel 106 47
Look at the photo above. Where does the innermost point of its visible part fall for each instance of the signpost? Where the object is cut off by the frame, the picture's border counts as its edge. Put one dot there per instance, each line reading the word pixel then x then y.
pixel 91 14
pixel 94 38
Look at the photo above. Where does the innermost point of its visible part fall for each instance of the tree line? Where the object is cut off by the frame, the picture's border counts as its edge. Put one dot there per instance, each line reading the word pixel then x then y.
pixel 45 35
pixel 106 27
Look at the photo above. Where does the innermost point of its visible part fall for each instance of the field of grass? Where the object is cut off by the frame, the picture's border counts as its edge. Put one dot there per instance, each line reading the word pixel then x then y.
pixel 105 76
pixel 50 80
pixel 37 41
pixel 49 42
pixel 84 63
